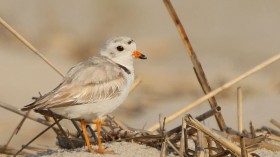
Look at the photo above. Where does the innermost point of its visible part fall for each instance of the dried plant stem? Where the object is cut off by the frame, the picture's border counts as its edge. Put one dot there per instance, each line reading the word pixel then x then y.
pixel 32 48
pixel 39 120
pixel 239 109
pixel 243 148
pixel 162 133
pixel 179 26
pixel 160 121
pixel 15 131
pixel 271 131
pixel 269 146
pixel 182 141
pixel 135 84
pixel 21 122
pixel 252 130
pixel 10 151
pixel 225 142
pixel 273 137
pixel 41 133
pixel 119 123
pixel 275 123
pixel 196 64
pixel 163 149
pixel 38 148
pixel 218 90
pixel 173 147
pixel 201 117
pixel 254 141
pixel 219 148
pixel 63 132
pixel 210 145
pixel 199 146
pixel 209 113
pixel 17 111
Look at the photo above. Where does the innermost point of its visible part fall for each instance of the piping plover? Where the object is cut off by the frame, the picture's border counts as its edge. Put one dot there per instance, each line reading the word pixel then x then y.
pixel 94 87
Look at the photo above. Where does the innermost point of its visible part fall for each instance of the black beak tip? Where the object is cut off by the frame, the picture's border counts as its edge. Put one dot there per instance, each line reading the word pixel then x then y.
pixel 143 57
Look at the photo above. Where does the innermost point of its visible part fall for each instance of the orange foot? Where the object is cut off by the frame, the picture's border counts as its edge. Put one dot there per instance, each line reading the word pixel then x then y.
pixel 102 151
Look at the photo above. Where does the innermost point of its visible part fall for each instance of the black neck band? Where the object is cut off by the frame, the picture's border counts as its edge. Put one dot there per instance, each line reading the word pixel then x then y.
pixel 124 68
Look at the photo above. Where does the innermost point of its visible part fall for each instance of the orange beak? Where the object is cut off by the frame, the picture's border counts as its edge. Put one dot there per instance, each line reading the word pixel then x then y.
pixel 137 54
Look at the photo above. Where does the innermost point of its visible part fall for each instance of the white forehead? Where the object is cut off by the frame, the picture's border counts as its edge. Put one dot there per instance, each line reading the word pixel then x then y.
pixel 110 47
pixel 118 40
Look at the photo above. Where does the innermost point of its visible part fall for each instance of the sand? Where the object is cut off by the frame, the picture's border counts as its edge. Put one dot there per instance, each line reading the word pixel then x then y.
pixel 267 153
pixel 120 149
pixel 126 149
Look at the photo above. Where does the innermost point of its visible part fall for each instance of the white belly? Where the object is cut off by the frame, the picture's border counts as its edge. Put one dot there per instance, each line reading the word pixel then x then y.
pixel 96 110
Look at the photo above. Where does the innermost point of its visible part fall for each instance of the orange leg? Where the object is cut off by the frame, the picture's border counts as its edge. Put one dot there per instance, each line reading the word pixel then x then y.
pixel 98 127
pixel 83 125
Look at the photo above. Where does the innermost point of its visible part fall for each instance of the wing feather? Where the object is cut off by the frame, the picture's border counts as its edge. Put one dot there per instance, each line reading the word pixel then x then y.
pixel 93 80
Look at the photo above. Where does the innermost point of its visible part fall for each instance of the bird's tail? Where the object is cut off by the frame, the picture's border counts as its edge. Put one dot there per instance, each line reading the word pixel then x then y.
pixel 29 107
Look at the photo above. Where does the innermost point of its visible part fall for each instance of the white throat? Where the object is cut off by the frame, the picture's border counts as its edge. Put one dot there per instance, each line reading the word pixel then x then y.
pixel 126 61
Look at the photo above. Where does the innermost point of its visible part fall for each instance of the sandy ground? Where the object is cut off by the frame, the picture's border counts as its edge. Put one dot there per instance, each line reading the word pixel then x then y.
pixel 228 37
pixel 124 149
pixel 267 153
pixel 120 149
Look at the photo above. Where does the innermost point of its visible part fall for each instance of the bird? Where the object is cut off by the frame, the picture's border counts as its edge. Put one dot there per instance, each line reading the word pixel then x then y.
pixel 94 87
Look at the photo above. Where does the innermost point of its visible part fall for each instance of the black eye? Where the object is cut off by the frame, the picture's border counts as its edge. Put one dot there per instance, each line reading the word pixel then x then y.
pixel 120 48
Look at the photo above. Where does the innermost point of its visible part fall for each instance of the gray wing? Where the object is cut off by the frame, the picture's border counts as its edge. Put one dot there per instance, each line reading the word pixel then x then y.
pixel 93 80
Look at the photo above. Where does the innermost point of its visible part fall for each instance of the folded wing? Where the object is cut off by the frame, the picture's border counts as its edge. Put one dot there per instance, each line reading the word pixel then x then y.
pixel 93 80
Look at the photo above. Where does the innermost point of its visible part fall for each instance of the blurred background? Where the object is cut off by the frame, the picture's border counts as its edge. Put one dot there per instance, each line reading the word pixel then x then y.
pixel 229 38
